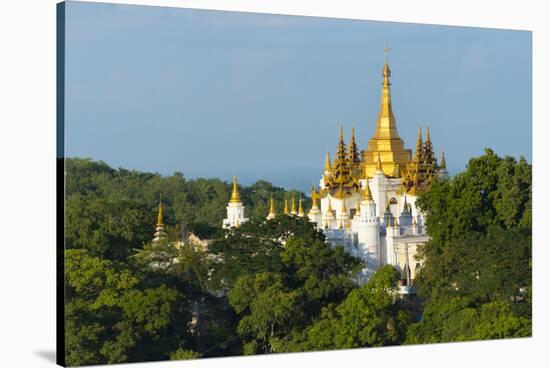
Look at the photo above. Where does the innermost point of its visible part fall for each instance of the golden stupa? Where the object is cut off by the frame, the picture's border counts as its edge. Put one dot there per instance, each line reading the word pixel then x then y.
pixel 386 143
pixel 385 153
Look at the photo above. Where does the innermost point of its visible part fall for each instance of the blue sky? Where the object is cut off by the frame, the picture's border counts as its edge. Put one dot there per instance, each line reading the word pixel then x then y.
pixel 217 94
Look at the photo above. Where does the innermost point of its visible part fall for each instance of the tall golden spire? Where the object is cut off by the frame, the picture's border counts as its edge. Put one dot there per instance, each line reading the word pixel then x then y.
pixel 313 199
pixel 366 195
pixel 328 166
pixel 235 196
pixel 385 124
pixel 419 153
pixel 159 214
pixel 379 163
pixel 272 211
pixel 385 139
pixel 159 229
pixel 353 150
pixel 286 207
pixel 443 163
pixel 300 208
pixel 429 156
pixel 293 206
pixel 341 170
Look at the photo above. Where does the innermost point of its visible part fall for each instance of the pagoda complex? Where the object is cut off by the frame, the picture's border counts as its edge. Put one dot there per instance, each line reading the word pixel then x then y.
pixel 366 200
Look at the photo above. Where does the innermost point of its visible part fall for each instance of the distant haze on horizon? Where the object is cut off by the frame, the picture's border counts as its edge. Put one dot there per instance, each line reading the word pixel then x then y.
pixel 217 94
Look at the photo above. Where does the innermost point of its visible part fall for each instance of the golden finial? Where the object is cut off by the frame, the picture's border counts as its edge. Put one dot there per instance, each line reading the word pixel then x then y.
pixel 405 204
pixel 293 206
pixel 443 164
pixel 313 199
pixel 379 163
pixel 286 207
pixel 428 134
pixel 300 208
pixel 328 167
pixel 341 133
pixel 367 194
pixel 159 214
pixel 235 196
pixel 387 202
pixel 272 211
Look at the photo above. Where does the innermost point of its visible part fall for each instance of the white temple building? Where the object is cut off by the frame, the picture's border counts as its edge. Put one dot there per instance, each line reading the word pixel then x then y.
pixel 235 209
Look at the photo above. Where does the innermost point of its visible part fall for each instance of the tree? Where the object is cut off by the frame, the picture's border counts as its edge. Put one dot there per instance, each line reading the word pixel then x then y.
pixel 255 247
pixel 285 273
pixel 493 191
pixel 368 316
pixel 182 354
pixel 460 319
pixel 112 317
pixel 476 273
pixel 269 309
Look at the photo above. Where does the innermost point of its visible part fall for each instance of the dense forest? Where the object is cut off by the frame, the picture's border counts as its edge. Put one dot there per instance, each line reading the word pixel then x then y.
pixel 275 286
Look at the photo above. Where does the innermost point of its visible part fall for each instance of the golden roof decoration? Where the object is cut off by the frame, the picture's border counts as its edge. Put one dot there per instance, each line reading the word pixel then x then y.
pixel 328 166
pixel 314 199
pixel 429 156
pixel 419 150
pixel 385 139
pixel 443 164
pixel 300 208
pixel 286 207
pixel 159 214
pixel 353 150
pixel 341 171
pixel 272 211
pixel 379 163
pixel 293 206
pixel 235 196
pixel 366 195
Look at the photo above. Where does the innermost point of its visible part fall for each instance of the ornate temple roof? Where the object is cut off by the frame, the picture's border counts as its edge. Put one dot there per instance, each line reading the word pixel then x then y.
pixel 385 141
pixel 235 196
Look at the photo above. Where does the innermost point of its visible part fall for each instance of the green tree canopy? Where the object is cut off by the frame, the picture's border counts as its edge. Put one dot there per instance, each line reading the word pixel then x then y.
pixel 476 273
